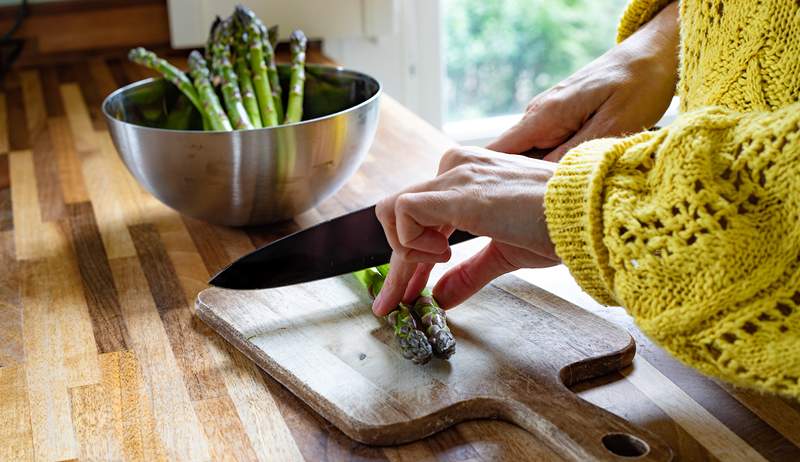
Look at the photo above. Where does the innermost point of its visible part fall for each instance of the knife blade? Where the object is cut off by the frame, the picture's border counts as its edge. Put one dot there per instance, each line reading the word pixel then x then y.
pixel 342 245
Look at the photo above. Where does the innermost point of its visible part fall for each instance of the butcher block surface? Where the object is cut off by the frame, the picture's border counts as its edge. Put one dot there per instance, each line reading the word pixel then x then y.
pixel 102 356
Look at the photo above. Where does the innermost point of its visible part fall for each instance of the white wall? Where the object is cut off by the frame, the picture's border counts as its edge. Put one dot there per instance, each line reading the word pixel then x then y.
pixel 407 60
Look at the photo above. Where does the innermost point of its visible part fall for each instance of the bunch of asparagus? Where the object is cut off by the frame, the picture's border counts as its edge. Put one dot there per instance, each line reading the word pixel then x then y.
pixel 234 84
pixel 421 329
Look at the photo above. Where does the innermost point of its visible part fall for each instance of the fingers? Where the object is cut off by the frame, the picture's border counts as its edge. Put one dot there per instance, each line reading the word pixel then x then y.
pixel 517 139
pixel 394 287
pixel 598 126
pixel 418 282
pixel 469 276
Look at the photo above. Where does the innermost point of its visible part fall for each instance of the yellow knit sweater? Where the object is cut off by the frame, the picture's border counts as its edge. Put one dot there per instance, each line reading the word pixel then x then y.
pixel 695 228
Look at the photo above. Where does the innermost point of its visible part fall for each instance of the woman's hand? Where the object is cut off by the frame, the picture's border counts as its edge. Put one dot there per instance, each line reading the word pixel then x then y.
pixel 624 91
pixel 483 192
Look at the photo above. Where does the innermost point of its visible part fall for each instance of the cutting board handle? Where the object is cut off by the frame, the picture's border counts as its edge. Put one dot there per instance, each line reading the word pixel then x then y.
pixel 582 431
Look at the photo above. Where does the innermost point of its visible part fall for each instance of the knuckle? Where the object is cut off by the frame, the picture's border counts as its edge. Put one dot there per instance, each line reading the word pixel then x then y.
pixel 404 204
pixel 451 158
pixel 382 210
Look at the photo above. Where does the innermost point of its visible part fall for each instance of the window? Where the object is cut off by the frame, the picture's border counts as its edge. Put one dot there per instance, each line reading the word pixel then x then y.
pixel 499 54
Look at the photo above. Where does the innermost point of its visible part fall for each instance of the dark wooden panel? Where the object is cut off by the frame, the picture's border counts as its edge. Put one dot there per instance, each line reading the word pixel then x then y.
pixel 6 212
pixel 110 332
pixel 48 182
pixel 52 92
pixel 15 109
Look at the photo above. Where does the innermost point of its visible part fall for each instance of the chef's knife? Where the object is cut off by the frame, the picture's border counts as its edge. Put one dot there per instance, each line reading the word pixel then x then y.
pixel 345 244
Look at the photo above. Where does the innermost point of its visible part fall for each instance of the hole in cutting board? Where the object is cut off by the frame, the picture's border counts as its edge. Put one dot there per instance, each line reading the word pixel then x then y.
pixel 625 445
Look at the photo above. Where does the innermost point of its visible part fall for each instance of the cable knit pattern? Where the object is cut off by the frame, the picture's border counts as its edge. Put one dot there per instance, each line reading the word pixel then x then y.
pixel 695 228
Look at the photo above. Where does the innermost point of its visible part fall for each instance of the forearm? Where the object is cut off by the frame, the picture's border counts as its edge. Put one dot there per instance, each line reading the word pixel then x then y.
pixel 657 42
pixel 692 229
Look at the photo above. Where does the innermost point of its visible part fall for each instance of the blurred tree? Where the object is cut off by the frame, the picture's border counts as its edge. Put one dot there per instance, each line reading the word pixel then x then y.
pixel 501 53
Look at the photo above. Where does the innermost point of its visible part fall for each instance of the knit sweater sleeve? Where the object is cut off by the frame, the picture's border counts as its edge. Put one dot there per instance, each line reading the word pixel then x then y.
pixel 694 229
pixel 636 14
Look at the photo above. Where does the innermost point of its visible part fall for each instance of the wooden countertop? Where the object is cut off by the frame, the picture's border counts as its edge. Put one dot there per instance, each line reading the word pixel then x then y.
pixel 102 358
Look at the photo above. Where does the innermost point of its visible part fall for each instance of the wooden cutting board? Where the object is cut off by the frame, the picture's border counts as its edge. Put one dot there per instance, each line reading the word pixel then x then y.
pixel 518 349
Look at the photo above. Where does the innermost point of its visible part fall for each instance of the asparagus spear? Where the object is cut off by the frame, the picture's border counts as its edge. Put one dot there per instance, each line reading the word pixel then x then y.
pixel 294 107
pixel 247 19
pixel 149 59
pixel 413 343
pixel 433 320
pixel 270 39
pixel 272 36
pixel 215 115
pixel 219 45
pixel 245 77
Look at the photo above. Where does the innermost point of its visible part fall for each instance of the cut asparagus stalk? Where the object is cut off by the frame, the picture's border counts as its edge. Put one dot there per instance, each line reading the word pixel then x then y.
pixel 223 71
pixel 266 105
pixel 433 321
pixel 215 115
pixel 413 343
pixel 174 75
pixel 294 106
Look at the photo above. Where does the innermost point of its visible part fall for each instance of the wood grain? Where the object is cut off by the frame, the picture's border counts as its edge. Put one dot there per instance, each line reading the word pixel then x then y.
pixel 3 125
pixel 6 212
pixel 15 418
pixel 110 333
pixel 355 380
pixel 100 359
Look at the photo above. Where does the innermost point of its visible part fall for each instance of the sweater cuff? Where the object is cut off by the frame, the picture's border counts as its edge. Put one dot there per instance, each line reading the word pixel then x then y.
pixel 573 210
pixel 638 13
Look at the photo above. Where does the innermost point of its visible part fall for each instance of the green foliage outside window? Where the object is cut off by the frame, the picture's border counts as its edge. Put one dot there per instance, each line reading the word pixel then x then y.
pixel 501 53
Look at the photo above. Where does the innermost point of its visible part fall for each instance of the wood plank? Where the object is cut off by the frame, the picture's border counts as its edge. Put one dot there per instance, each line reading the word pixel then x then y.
pixel 92 94
pixel 48 181
pixel 208 244
pixel 94 420
pixel 104 85
pixel 4 148
pixel 101 176
pixel 11 341
pixel 257 411
pixel 202 380
pixel 79 120
pixel 139 439
pixel 718 439
pixel 15 419
pixel 6 211
pixel 32 238
pixel 70 175
pixel 177 433
pixel 17 126
pixel 317 439
pixel 224 430
pixel 35 112
pixel 110 333
pixel 52 92
pixel 781 414
pixel 637 407
pixel 46 374
pixel 50 29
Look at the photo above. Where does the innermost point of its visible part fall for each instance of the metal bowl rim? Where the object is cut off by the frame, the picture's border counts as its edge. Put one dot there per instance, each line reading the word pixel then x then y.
pixel 295 124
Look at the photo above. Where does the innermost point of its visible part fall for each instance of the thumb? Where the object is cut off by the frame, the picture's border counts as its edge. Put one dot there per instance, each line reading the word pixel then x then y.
pixel 527 134
pixel 469 276
pixel 597 127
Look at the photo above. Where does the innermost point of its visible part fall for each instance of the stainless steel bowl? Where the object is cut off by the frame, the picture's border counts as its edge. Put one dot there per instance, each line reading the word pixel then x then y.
pixel 245 177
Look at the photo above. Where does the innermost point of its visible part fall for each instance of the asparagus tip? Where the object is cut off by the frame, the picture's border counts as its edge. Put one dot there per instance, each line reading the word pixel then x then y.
pixel 415 346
